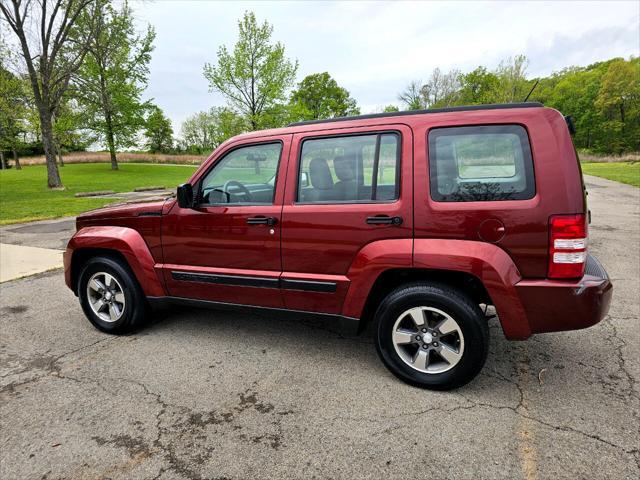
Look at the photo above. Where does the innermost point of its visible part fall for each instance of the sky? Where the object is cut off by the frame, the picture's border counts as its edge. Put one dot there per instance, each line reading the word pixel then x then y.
pixel 373 49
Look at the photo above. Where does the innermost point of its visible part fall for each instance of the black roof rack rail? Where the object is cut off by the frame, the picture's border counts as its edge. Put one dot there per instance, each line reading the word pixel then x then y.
pixel 493 106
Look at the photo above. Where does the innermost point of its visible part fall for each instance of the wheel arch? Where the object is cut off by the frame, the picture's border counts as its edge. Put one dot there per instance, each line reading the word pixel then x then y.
pixel 483 267
pixel 391 279
pixel 124 244
pixel 82 255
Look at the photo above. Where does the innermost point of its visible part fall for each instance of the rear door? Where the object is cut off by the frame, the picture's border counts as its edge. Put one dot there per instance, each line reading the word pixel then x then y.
pixel 345 189
pixel 227 248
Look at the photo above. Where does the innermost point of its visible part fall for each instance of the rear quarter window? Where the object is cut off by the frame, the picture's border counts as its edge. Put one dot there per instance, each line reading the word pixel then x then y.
pixel 480 163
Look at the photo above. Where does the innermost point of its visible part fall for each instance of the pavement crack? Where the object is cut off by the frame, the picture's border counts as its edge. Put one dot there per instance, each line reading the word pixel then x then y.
pixel 617 347
pixel 47 364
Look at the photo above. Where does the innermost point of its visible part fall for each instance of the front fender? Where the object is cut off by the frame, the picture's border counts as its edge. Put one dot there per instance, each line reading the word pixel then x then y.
pixel 487 262
pixel 126 241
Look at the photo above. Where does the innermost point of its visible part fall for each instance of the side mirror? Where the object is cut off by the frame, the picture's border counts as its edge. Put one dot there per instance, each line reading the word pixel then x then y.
pixel 185 196
pixel 304 180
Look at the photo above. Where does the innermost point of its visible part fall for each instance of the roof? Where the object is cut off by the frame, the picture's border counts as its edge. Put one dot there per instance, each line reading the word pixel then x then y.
pixel 494 106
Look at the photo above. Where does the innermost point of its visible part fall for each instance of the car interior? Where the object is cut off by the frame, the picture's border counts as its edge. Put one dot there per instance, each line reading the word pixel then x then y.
pixel 484 177
pixel 333 171
pixel 345 172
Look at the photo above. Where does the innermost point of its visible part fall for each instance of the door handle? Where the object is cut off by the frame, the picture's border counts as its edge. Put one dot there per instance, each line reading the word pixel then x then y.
pixel 260 220
pixel 384 220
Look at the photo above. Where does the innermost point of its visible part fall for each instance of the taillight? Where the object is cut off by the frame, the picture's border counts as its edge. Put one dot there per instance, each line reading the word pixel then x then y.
pixel 567 246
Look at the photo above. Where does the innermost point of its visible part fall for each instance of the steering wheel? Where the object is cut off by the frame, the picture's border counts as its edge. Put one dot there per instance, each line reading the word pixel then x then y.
pixel 235 183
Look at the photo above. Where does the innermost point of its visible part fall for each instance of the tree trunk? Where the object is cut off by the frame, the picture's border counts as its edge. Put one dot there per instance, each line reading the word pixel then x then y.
pixel 2 165
pixel 16 159
pixel 111 142
pixel 59 152
pixel 53 175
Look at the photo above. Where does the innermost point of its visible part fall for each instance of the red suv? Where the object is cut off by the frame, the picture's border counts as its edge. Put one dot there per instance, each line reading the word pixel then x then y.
pixel 416 220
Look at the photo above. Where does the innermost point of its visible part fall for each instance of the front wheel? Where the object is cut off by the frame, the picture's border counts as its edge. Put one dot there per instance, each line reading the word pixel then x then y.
pixel 431 335
pixel 110 296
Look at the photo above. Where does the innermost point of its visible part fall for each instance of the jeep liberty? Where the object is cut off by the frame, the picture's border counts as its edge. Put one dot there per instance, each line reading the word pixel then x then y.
pixel 416 221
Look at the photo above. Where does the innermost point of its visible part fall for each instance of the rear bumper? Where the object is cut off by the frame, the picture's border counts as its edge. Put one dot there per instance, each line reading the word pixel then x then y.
pixel 555 305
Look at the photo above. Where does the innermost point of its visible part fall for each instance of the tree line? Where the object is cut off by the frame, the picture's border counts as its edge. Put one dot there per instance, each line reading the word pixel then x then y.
pixel 603 98
pixel 78 80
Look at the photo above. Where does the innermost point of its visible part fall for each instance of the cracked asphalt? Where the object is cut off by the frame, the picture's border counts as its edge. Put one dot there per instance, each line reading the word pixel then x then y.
pixel 217 395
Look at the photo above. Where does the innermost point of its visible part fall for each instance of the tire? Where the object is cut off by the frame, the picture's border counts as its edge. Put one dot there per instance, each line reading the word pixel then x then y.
pixel 450 359
pixel 124 307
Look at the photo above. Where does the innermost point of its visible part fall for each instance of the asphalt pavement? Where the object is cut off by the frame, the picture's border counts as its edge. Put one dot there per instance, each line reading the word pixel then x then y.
pixel 202 394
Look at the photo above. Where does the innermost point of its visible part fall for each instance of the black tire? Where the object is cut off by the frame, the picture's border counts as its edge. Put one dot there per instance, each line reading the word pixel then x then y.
pixel 449 300
pixel 135 310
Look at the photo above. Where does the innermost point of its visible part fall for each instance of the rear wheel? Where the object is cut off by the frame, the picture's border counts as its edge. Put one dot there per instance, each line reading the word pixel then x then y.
pixel 431 335
pixel 110 296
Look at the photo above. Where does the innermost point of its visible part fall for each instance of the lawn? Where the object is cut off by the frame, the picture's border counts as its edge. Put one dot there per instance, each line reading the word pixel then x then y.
pixel 625 172
pixel 24 195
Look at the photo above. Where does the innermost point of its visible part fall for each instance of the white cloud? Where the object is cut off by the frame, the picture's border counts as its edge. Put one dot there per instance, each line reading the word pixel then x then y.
pixel 375 48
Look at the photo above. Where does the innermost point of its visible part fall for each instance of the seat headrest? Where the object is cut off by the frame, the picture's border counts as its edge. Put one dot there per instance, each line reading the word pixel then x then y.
pixel 345 167
pixel 446 162
pixel 320 175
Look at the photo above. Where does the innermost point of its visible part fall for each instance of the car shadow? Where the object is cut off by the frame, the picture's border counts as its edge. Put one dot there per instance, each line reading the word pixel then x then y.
pixel 504 367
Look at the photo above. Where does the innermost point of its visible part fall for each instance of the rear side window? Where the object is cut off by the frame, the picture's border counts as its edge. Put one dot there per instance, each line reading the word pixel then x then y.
pixel 350 169
pixel 480 163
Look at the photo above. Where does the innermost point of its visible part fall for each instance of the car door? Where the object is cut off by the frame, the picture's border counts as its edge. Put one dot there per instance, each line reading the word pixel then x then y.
pixel 345 189
pixel 227 248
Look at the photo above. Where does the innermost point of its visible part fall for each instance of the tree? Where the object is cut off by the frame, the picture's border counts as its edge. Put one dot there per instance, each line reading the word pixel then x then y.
pixel 573 91
pixel 591 95
pixel 256 76
pixel 68 131
pixel 412 96
pixel 112 78
pixel 53 49
pixel 619 102
pixel 478 87
pixel 158 131
pixel 441 90
pixel 390 109
pixel 319 96
pixel 512 79
pixel 204 131
pixel 13 109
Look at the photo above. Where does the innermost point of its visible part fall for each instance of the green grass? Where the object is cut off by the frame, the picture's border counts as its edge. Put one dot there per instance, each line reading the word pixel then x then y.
pixel 625 172
pixel 24 195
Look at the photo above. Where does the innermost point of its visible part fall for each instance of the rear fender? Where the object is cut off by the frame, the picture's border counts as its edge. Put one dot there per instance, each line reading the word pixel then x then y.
pixel 369 263
pixel 126 241
pixel 487 262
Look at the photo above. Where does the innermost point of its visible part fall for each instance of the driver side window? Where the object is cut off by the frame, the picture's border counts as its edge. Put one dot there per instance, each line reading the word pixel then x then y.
pixel 244 176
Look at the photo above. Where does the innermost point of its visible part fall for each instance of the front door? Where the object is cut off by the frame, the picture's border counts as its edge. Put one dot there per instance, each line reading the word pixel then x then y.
pixel 345 189
pixel 227 249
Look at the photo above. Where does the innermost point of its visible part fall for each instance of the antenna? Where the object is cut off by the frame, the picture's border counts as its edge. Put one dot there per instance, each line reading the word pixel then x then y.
pixel 532 89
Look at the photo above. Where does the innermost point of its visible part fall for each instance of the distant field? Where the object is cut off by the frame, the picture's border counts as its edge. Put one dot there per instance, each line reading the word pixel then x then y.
pixel 125 157
pixel 24 195
pixel 625 172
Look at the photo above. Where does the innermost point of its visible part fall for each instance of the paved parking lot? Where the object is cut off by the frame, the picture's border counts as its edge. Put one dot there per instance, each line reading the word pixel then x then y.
pixel 210 395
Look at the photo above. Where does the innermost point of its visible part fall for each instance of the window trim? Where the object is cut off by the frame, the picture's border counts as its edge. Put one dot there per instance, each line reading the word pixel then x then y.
pixel 528 161
pixel 227 152
pixel 378 134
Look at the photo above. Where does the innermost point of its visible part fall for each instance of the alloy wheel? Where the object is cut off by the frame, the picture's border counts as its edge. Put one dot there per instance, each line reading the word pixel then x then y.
pixel 428 340
pixel 106 297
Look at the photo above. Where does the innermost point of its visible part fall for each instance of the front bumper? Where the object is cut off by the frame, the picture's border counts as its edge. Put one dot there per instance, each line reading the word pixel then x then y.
pixel 66 260
pixel 556 305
